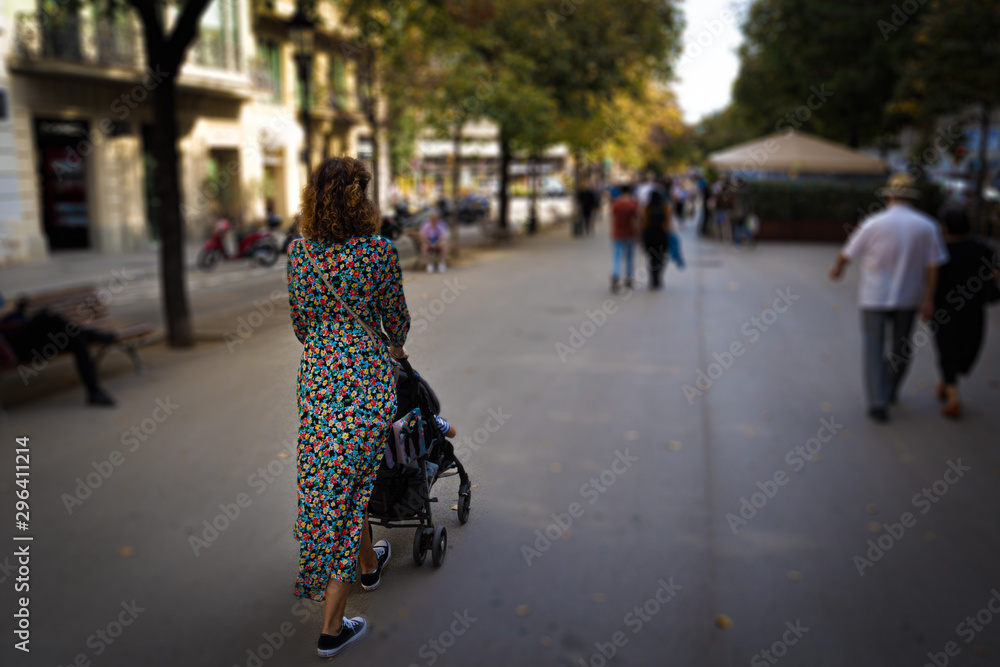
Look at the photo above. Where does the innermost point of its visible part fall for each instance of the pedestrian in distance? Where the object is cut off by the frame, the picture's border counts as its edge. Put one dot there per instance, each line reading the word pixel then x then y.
pixel 624 214
pixel 966 283
pixel 656 229
pixel 344 283
pixel 899 250
pixel 434 236
pixel 588 202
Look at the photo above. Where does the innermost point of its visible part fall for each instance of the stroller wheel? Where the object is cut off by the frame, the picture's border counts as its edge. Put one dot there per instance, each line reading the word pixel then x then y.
pixel 440 545
pixel 464 501
pixel 419 546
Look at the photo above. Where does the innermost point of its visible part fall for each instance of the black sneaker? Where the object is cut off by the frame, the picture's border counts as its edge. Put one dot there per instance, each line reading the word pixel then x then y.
pixel 352 630
pixel 371 581
pixel 100 397
pixel 879 415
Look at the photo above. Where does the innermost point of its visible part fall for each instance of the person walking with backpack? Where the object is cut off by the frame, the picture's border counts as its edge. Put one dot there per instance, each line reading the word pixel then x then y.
pixel 624 213
pixel 656 225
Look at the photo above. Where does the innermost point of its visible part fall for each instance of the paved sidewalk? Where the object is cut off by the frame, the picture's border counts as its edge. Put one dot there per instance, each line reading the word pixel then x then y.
pixel 89 267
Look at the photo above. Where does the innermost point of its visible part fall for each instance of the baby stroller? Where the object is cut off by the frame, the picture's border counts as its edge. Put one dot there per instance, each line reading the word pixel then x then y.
pixel 417 456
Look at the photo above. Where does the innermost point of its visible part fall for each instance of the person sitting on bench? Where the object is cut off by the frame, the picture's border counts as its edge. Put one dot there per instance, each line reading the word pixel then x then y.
pixel 28 337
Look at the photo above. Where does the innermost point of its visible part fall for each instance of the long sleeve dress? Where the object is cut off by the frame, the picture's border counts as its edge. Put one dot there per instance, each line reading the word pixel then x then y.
pixel 346 396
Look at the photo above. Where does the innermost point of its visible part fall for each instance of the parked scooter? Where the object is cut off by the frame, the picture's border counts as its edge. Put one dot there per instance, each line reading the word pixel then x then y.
pixel 258 246
pixel 391 229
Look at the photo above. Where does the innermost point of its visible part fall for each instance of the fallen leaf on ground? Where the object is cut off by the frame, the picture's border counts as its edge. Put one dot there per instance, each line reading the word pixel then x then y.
pixel 723 621
pixel 522 610
pixel 795 575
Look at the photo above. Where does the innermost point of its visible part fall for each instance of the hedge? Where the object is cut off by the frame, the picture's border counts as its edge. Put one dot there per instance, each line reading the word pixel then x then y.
pixel 817 200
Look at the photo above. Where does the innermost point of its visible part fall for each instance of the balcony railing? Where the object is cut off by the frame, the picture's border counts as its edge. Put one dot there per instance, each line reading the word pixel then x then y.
pixel 263 77
pixel 72 37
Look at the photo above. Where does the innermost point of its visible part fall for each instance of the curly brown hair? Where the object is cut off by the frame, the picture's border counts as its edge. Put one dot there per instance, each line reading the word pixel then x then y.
pixel 335 207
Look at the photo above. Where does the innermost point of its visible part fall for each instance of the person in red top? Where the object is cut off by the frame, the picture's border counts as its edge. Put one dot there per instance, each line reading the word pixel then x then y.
pixel 624 214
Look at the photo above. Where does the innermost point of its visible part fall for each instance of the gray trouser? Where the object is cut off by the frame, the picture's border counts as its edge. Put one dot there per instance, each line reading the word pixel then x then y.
pixel 883 374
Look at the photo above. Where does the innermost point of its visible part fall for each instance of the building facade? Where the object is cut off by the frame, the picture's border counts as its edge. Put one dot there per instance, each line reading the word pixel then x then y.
pixel 77 169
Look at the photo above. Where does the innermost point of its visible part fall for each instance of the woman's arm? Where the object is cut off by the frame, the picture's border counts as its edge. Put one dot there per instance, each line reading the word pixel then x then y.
pixel 392 302
pixel 295 292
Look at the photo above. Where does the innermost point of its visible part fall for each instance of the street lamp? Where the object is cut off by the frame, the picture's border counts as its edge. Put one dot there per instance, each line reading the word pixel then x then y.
pixel 302 32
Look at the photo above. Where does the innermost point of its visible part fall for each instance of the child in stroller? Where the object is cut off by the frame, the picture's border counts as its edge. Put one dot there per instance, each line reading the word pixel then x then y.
pixel 418 454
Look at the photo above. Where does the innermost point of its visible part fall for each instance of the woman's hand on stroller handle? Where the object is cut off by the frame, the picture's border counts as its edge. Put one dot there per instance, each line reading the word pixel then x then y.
pixel 398 352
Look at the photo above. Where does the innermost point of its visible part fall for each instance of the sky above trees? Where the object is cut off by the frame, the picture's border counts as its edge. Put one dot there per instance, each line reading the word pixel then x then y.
pixel 708 67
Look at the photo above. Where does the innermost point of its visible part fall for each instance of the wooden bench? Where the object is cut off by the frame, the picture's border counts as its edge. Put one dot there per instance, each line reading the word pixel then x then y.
pixel 83 306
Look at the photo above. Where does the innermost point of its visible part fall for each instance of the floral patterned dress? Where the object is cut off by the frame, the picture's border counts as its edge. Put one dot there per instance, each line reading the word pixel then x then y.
pixel 346 396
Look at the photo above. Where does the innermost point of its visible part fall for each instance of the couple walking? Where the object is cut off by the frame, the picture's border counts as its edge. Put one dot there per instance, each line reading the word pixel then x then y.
pixel 652 222
pixel 906 269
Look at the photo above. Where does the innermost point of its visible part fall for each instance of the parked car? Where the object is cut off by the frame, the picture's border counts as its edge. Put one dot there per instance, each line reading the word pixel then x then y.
pixel 551 186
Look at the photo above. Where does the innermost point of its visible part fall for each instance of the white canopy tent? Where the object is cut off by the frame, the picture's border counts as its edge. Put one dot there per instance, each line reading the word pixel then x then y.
pixel 795 153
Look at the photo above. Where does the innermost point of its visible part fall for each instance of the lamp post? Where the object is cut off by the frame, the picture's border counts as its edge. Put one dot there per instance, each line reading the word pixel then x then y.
pixel 302 31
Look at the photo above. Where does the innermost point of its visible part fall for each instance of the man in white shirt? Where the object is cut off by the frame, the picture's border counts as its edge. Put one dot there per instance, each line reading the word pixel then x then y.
pixel 899 250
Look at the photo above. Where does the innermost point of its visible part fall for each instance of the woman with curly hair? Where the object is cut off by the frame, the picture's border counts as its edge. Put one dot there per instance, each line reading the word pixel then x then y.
pixel 346 391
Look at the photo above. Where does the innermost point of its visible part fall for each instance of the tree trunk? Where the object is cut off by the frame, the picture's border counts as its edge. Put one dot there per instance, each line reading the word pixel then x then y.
pixel 504 181
pixel 984 130
pixel 456 173
pixel 533 214
pixel 175 302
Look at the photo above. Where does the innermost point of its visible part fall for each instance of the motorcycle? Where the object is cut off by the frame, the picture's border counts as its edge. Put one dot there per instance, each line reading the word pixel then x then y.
pixel 292 234
pixel 390 228
pixel 258 246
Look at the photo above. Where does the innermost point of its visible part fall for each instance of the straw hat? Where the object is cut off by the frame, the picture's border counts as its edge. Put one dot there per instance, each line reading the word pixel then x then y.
pixel 901 186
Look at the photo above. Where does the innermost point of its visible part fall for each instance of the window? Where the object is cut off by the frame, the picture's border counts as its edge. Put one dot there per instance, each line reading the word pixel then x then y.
pixel 338 82
pixel 268 71
pixel 218 42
